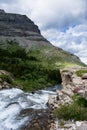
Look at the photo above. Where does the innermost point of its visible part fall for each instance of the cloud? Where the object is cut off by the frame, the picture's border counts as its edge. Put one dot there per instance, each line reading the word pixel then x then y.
pixel 56 13
pixel 7 1
pixel 60 13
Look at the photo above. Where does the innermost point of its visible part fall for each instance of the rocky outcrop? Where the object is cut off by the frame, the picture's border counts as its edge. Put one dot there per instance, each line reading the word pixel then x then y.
pixel 7 81
pixel 42 120
pixel 70 125
pixel 71 84
pixel 3 83
pixel 16 25
pixel 61 98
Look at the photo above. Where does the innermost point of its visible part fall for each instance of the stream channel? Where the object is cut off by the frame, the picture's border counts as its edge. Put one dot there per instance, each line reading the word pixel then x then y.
pixel 18 109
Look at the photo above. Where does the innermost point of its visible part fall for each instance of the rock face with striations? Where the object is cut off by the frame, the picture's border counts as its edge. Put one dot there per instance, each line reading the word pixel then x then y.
pixel 21 28
pixel 16 25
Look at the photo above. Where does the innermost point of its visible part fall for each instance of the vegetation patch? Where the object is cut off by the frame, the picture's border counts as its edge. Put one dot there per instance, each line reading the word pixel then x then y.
pixel 81 72
pixel 37 67
pixel 28 67
pixel 8 79
pixel 74 111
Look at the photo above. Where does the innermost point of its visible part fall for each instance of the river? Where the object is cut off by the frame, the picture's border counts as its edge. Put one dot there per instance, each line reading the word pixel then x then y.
pixel 16 106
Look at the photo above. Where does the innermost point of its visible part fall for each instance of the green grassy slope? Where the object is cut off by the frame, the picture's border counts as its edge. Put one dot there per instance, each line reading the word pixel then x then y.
pixel 37 67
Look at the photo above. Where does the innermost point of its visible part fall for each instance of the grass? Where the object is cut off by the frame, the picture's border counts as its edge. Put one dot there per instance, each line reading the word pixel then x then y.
pixel 74 111
pixel 81 72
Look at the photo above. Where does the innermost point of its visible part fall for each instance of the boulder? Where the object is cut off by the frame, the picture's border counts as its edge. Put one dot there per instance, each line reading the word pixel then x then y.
pixel 41 120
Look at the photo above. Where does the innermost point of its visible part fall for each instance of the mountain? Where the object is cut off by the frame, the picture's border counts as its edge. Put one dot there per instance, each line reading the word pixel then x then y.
pixel 26 33
pixel 26 54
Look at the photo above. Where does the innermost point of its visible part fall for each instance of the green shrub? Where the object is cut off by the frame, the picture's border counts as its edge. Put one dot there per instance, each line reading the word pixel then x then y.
pixel 6 78
pixel 30 85
pixel 71 112
pixel 54 75
pixel 80 100
pixel 74 111
pixel 81 72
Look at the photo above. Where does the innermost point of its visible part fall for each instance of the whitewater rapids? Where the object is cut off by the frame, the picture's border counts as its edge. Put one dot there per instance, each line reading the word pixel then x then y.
pixel 13 101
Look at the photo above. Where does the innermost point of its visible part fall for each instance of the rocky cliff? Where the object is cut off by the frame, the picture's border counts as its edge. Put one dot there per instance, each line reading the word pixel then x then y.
pixel 72 84
pixel 21 28
pixel 16 25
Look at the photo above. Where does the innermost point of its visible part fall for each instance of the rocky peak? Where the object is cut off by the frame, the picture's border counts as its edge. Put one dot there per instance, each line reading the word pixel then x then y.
pixel 2 11
pixel 20 28
pixel 16 25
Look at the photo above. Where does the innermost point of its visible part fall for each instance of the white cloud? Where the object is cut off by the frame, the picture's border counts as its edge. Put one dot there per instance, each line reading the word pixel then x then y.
pixel 59 13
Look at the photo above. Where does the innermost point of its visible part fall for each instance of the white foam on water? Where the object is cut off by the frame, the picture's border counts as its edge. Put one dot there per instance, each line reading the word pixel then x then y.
pixel 2 128
pixel 12 101
pixel 11 92
pixel 14 124
pixel 11 110
pixel 40 100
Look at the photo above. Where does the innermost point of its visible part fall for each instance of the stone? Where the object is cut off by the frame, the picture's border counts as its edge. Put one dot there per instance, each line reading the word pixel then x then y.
pixel 84 76
pixel 81 93
pixel 42 120
pixel 3 83
pixel 68 126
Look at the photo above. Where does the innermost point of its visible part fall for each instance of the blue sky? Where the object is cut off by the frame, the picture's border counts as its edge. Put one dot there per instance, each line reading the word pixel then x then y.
pixel 62 22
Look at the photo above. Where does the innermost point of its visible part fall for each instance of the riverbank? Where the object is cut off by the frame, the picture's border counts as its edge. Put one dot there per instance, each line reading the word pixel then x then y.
pixel 74 91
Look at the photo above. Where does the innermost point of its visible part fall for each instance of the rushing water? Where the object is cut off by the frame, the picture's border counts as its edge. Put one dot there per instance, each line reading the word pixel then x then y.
pixel 13 101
